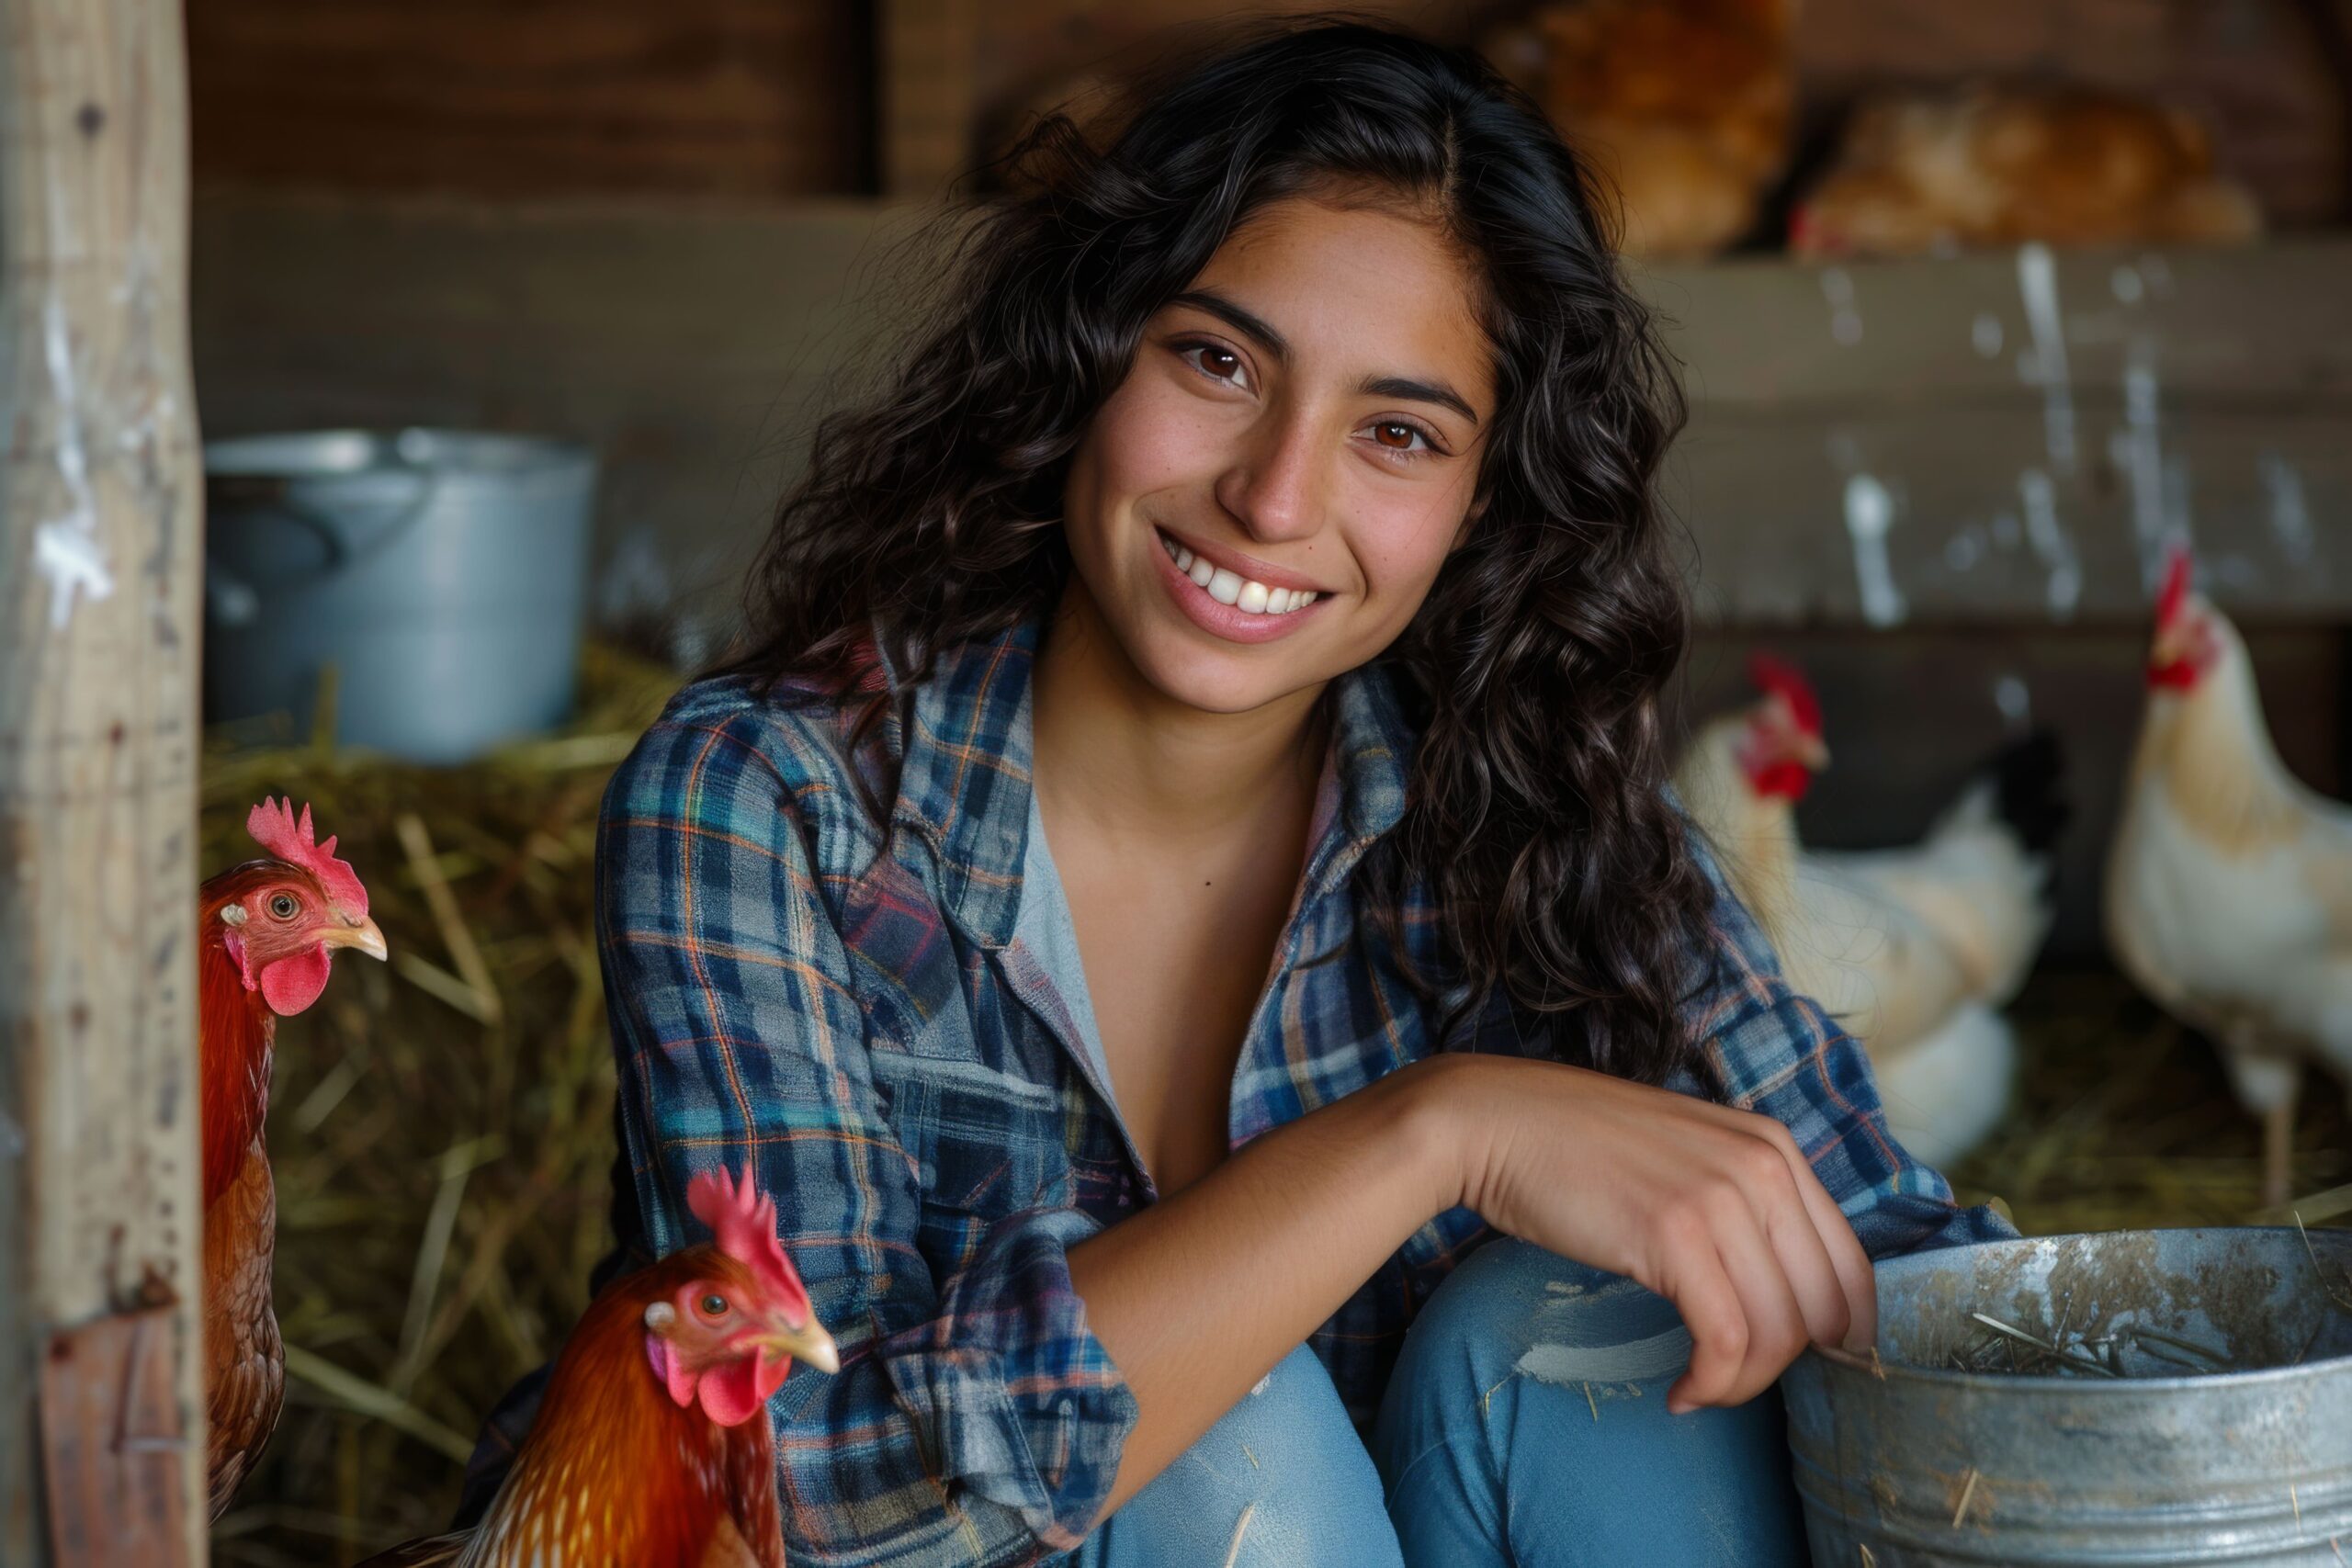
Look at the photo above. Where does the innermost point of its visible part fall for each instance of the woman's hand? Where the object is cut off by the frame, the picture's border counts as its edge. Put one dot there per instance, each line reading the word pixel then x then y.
pixel 1712 1207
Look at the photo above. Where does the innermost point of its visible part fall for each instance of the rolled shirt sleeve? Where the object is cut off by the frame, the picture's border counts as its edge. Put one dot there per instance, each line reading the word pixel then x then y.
pixel 976 1418
pixel 1765 1048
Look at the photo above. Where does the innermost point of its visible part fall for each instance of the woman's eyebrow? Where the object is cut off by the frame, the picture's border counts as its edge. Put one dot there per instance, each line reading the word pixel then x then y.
pixel 1247 323
pixel 1251 324
pixel 1405 387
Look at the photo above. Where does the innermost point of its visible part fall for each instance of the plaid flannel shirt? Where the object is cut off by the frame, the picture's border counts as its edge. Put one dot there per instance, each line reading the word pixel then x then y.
pixel 857 1019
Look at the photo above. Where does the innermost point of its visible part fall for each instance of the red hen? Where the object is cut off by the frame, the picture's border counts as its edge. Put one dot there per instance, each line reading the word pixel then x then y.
pixel 652 1447
pixel 266 931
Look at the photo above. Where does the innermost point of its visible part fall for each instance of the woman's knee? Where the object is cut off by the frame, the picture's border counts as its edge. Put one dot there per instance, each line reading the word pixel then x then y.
pixel 1281 1478
pixel 1527 1419
pixel 1505 1301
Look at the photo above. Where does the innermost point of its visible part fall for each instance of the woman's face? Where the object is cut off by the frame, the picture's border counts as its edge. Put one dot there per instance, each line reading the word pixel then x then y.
pixel 1307 417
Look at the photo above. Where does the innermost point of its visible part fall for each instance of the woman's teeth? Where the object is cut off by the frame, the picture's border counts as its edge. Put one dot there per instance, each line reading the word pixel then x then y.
pixel 1229 588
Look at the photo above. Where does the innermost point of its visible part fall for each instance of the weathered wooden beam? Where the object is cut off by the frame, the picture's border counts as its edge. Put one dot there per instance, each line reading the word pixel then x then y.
pixel 101 1449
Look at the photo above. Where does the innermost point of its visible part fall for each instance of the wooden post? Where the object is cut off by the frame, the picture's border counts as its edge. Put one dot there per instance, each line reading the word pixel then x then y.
pixel 101 1411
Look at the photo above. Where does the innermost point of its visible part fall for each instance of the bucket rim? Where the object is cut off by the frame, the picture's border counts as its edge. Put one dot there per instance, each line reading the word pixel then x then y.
pixel 389 447
pixel 1882 1370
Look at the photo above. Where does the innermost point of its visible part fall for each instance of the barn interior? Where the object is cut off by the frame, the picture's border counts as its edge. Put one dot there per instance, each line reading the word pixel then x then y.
pixel 1938 468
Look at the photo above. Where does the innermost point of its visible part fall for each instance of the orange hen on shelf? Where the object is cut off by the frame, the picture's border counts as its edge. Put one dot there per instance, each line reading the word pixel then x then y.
pixel 1920 172
pixel 1683 105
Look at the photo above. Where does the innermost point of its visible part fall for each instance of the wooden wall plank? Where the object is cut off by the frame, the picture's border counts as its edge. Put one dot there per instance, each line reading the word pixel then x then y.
pixel 1960 515
pixel 737 98
pixel 1761 332
pixel 101 528
pixel 929 50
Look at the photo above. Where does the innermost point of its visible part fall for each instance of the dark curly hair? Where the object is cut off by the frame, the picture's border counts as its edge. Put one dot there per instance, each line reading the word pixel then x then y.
pixel 1562 877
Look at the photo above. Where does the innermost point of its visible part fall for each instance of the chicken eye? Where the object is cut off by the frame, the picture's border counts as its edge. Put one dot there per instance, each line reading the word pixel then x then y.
pixel 284 905
pixel 714 1305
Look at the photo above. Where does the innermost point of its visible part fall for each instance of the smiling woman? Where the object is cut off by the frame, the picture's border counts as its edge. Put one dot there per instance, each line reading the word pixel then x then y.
pixel 1178 900
pixel 1354 473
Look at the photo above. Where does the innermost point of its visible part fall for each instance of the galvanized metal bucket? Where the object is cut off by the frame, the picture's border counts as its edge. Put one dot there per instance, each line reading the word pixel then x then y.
pixel 2193 1405
pixel 442 574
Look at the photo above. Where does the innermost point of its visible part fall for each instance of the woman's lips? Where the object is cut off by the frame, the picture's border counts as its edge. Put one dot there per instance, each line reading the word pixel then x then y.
pixel 1227 621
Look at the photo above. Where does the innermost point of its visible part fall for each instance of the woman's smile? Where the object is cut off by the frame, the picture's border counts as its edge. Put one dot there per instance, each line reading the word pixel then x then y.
pixel 1222 602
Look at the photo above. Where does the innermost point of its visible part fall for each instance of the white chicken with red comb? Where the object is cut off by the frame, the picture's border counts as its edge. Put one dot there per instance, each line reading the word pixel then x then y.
pixel 1912 950
pixel 2229 885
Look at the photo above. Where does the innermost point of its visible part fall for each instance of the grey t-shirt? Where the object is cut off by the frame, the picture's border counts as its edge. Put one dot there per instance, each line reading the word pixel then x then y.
pixel 1047 929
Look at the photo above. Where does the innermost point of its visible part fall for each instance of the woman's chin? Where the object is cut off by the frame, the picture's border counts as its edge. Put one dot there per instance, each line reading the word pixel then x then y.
pixel 1188 668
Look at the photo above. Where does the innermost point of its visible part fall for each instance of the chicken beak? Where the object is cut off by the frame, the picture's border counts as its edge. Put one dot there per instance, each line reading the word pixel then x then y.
pixel 809 1344
pixel 364 937
pixel 1813 751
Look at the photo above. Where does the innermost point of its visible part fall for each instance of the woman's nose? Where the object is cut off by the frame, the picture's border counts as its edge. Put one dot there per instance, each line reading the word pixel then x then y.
pixel 1273 486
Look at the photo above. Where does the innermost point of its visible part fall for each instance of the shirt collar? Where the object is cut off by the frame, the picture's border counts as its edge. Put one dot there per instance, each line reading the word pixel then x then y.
pixel 963 779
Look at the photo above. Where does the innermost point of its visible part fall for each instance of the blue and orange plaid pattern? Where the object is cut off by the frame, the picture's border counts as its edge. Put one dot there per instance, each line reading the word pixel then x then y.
pixel 855 1017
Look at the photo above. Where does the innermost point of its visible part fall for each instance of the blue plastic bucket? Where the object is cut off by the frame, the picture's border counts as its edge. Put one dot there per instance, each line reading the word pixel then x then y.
pixel 442 574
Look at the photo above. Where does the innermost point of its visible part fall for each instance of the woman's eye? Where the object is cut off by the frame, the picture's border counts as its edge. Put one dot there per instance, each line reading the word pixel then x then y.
pixel 714 1305
pixel 1218 363
pixel 284 907
pixel 1394 435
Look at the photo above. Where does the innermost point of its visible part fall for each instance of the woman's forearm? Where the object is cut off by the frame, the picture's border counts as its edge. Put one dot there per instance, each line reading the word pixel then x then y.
pixel 1198 1296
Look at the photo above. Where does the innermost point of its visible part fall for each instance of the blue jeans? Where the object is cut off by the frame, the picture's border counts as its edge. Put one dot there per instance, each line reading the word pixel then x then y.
pixel 1525 1425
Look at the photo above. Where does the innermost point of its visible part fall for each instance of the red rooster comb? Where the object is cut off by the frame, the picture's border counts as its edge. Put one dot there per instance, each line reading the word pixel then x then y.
pixel 1779 677
pixel 2175 592
pixel 743 1218
pixel 274 827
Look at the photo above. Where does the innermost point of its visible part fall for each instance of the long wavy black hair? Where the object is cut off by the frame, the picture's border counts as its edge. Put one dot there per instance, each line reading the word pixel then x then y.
pixel 1534 816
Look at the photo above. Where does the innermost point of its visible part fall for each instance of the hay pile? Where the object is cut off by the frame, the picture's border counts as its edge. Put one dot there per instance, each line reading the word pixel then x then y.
pixel 2123 1119
pixel 442 1125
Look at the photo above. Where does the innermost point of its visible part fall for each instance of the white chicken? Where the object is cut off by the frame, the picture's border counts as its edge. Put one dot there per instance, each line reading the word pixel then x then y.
pixel 1912 950
pixel 2228 886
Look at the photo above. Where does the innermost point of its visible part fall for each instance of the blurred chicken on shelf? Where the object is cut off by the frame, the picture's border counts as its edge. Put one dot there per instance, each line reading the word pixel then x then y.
pixel 2229 887
pixel 1989 165
pixel 267 931
pixel 652 1448
pixel 1912 950
pixel 1684 105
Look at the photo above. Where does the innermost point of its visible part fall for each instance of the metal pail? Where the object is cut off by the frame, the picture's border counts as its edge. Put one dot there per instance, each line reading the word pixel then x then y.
pixel 441 573
pixel 2203 1413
